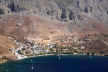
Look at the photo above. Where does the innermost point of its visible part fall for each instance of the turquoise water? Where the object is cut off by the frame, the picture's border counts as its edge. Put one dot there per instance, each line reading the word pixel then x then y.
pixel 69 63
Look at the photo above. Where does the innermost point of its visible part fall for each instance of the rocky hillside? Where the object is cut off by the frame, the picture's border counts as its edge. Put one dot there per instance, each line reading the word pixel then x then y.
pixel 64 10
pixel 5 53
pixel 52 18
pixel 51 21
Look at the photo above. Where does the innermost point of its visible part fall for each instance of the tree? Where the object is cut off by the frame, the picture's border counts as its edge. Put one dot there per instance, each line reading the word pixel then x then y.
pixel 19 51
pixel 51 50
pixel 86 10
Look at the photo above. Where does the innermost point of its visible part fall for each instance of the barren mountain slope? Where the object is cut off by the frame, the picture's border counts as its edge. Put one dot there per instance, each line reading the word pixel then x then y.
pixel 53 21
pixel 39 28
pixel 5 53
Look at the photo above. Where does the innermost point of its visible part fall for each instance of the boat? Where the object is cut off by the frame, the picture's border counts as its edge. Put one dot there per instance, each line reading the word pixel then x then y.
pixel 7 70
pixel 59 58
pixel 32 65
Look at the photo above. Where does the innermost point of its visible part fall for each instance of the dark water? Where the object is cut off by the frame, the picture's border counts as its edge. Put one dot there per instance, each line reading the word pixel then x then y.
pixel 70 63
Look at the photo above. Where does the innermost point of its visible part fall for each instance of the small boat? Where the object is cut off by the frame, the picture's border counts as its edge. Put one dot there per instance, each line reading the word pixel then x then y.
pixel 7 70
pixel 32 67
pixel 59 58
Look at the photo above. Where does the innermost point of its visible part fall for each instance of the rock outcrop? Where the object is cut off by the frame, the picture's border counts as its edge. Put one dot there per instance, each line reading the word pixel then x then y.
pixel 61 9
pixel 64 10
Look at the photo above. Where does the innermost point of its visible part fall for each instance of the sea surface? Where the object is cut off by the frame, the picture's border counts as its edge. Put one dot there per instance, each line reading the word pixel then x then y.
pixel 65 63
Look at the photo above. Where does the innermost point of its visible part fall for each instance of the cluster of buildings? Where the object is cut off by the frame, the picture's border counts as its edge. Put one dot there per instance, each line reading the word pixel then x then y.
pixel 30 49
pixel 76 46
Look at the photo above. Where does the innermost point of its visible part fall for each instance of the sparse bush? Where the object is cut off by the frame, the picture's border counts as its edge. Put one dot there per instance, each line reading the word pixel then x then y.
pixel 86 10
pixel 1 11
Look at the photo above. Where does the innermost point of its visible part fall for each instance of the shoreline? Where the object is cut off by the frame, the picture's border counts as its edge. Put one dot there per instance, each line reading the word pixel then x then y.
pixel 26 57
pixel 35 56
pixel 57 55
pixel 3 61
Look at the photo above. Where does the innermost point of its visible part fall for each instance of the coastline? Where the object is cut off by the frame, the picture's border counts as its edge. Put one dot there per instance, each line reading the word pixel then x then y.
pixel 53 55
pixel 35 56
pixel 4 61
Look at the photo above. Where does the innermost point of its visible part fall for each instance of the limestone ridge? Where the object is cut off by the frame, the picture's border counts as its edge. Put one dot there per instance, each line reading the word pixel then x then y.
pixel 63 10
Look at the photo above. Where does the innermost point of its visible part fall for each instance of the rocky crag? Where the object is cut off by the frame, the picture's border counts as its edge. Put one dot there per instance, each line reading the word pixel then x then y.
pixel 63 10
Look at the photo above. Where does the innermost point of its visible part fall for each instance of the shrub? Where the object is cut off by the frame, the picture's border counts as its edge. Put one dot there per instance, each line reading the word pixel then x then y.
pixel 1 11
